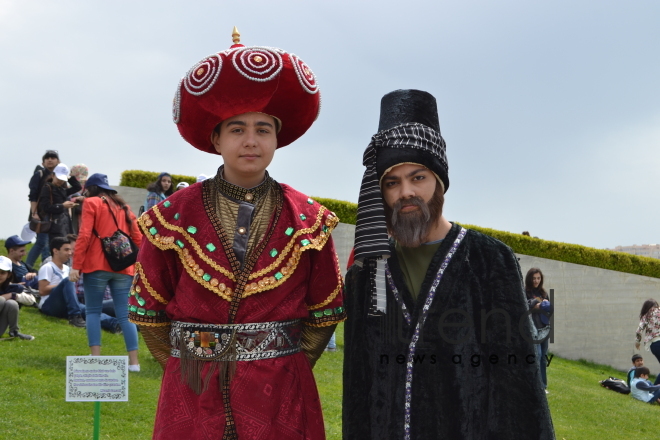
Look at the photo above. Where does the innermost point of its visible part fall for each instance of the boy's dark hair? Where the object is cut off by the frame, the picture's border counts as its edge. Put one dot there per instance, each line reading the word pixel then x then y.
pixel 57 243
pixel 642 370
pixel 72 237
pixel 635 357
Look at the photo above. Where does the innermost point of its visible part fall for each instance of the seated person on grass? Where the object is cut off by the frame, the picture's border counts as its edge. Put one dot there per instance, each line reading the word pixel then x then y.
pixel 642 388
pixel 8 303
pixel 638 361
pixel 58 294
pixel 22 273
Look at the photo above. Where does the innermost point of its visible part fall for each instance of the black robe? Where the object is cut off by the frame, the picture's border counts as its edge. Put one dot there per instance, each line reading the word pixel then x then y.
pixel 467 383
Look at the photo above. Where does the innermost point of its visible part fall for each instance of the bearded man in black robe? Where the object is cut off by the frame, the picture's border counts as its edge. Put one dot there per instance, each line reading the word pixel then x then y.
pixel 439 343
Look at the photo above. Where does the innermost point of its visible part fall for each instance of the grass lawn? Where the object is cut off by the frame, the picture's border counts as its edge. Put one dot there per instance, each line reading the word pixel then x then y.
pixel 33 407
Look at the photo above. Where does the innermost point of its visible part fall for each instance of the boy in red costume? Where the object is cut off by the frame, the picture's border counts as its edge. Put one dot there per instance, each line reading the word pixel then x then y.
pixel 237 287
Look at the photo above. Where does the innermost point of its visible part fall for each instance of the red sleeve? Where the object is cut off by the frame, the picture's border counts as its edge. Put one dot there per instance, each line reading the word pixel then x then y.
pixel 85 234
pixel 153 284
pixel 325 292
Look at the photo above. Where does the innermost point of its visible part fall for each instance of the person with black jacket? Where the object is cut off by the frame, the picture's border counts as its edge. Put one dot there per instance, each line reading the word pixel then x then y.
pixel 41 174
pixel 53 201
pixel 541 309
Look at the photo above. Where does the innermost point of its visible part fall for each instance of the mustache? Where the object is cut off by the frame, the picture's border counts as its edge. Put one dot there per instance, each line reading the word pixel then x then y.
pixel 414 201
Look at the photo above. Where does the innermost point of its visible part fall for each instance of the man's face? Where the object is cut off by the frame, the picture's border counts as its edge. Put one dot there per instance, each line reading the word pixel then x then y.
pixel 63 254
pixel 16 253
pixel 638 363
pixel 51 162
pixel 247 144
pixel 413 204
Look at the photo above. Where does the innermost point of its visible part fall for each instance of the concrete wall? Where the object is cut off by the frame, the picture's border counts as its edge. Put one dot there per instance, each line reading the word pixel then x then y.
pixel 596 311
pixel 135 197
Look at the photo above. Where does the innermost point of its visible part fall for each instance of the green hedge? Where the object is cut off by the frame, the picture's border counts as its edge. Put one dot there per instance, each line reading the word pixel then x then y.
pixel 346 211
pixel 574 253
pixel 521 244
pixel 140 179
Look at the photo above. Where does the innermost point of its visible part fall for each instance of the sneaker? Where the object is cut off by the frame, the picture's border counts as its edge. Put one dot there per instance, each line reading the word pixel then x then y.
pixel 330 350
pixel 134 368
pixel 21 336
pixel 77 321
pixel 117 330
pixel 547 392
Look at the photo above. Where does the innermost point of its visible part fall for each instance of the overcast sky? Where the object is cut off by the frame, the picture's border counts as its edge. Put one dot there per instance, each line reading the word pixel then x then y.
pixel 550 110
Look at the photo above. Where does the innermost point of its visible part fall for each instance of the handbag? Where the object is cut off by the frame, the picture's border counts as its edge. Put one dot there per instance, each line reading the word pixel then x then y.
pixel 119 250
pixel 42 226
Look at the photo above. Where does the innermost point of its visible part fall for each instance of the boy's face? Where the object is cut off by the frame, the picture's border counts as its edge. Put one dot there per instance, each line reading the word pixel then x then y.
pixel 247 144
pixel 16 253
pixel 638 363
pixel 644 376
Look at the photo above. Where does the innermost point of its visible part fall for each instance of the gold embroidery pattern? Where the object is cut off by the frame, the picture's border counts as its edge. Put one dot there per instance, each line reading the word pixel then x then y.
pixel 188 262
pixel 145 320
pixel 285 251
pixel 326 321
pixel 264 284
pixel 148 222
pixel 145 283
pixel 317 243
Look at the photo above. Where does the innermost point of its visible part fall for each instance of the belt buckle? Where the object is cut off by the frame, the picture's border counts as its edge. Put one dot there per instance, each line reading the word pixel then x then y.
pixel 208 343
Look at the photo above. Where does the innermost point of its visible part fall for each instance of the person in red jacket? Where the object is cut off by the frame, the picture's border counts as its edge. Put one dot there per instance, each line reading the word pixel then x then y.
pixel 238 286
pixel 103 213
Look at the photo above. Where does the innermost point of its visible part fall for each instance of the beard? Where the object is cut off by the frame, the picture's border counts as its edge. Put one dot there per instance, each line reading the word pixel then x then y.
pixel 411 229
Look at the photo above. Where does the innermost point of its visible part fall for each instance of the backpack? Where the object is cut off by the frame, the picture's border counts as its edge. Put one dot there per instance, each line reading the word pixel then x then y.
pixel 614 384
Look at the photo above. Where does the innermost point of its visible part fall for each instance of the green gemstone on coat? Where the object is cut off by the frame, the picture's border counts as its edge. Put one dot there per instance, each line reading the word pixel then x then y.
pixel 132 308
pixel 327 312
pixel 325 228
pixel 141 301
pixel 179 243
pixel 176 216
pixel 153 230
pixel 273 252
pixel 278 276
pixel 339 309
pixel 305 242
pixel 289 231
pixel 151 313
pixel 310 201
pixel 318 314
pixel 303 217
pixel 192 229
pixel 211 247
pixel 141 311
pixel 206 277
pixel 167 204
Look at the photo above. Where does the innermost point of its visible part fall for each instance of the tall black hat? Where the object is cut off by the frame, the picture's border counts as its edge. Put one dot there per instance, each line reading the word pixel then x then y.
pixel 408 132
pixel 408 108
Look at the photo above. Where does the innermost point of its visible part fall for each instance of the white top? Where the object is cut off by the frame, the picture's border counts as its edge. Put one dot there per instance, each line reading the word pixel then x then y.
pixel 53 275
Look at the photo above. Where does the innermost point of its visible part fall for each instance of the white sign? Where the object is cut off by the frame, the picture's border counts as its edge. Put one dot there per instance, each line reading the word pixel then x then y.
pixel 97 378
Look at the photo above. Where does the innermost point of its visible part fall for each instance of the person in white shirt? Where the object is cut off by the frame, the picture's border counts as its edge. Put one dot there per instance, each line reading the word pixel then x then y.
pixel 58 293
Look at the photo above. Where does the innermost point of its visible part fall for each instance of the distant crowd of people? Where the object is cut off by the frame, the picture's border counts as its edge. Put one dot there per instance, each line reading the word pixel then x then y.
pixel 71 214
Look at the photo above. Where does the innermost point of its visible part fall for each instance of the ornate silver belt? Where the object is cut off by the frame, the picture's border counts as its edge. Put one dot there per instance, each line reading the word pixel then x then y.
pixel 235 342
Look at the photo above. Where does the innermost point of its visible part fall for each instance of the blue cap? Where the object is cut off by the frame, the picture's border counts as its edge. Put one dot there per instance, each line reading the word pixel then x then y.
pixel 100 180
pixel 15 241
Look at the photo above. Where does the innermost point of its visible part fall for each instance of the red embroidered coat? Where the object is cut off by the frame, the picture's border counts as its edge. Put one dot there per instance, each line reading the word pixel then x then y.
pixel 185 273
